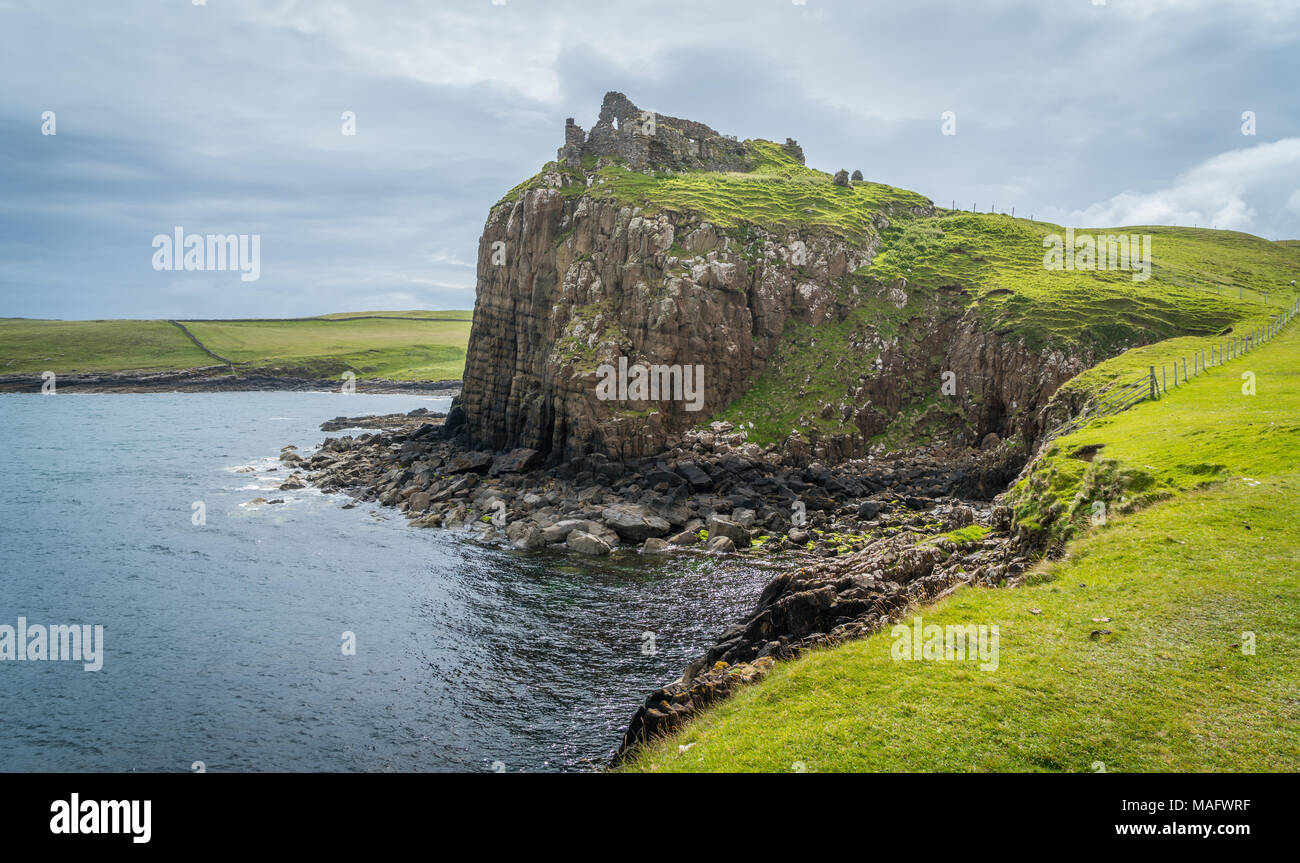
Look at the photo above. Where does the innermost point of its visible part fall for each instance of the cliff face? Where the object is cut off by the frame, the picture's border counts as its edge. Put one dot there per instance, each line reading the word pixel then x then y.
pixel 573 279
pixel 585 281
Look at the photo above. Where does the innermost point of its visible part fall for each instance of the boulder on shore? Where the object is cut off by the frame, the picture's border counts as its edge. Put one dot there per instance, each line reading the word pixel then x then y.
pixel 718 526
pixel 584 543
pixel 720 543
pixel 633 523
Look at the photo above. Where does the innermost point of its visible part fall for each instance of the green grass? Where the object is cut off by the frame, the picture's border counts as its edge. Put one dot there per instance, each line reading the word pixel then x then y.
pixel 778 193
pixel 33 346
pixel 414 345
pixel 1201 432
pixel 397 348
pixel 1000 261
pixel 424 314
pixel 1182 581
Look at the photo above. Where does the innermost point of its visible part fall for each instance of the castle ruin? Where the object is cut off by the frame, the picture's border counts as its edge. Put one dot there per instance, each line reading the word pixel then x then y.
pixel 648 141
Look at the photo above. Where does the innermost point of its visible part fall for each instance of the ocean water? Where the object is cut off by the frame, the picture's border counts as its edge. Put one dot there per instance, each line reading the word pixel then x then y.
pixel 223 640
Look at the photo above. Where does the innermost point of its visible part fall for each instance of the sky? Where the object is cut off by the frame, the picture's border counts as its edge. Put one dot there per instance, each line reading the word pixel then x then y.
pixel 227 117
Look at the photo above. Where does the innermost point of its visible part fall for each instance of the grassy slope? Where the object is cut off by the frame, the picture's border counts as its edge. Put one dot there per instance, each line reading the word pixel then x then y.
pixel 401 348
pixel 997 261
pixel 1181 580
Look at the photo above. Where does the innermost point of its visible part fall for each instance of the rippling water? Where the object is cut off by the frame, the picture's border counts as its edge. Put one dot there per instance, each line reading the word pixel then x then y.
pixel 222 641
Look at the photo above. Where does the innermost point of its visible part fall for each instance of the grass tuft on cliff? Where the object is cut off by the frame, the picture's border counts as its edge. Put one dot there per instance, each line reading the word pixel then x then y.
pixel 1167 640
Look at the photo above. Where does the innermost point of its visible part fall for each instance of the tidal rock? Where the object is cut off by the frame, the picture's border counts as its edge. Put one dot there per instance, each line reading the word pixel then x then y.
pixel 469 462
pixel 517 460
pixel 584 543
pixel 560 531
pixel 721 544
pixel 633 523
pixel 869 509
pixel 531 537
pixel 686 537
pixel 691 472
pixel 729 529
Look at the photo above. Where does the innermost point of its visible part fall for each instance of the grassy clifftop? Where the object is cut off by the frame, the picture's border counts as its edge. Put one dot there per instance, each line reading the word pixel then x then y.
pixel 1167 639
pixel 779 193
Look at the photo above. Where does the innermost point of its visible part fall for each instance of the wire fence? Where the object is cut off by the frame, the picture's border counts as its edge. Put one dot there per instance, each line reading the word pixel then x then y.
pixel 1159 380
pixel 1214 283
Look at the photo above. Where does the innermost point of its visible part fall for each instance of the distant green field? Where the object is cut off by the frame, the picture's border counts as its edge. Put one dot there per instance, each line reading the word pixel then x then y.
pixel 31 346
pixel 405 345
pixel 398 348
pixel 447 315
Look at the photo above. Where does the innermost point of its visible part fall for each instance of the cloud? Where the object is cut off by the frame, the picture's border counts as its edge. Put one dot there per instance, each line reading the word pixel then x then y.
pixel 225 118
pixel 1256 189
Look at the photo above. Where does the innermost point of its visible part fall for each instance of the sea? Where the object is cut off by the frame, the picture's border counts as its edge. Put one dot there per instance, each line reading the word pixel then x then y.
pixel 304 636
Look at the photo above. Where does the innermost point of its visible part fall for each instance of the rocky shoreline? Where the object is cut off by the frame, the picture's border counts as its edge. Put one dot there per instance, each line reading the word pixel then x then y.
pixel 713 490
pixel 829 602
pixel 216 378
pixel 865 540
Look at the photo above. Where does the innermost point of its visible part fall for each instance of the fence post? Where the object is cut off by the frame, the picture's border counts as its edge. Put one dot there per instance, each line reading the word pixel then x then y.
pixel 1184 369
pixel 1164 384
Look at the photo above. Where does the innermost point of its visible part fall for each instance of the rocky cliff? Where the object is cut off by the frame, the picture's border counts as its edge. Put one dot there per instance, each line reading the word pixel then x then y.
pixel 625 251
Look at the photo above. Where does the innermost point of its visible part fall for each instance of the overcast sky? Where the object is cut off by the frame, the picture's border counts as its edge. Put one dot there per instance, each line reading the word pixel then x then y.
pixel 225 117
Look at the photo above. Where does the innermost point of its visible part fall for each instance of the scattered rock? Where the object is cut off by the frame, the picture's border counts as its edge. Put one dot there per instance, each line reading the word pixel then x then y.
pixel 584 543
pixel 469 462
pixel 720 544
pixel 633 523
pixel 721 527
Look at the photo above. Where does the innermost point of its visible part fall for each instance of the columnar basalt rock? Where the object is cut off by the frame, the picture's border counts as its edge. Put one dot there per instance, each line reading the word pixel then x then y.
pixel 583 281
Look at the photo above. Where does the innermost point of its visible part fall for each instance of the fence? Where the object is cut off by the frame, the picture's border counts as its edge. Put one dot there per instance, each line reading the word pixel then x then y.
pixel 1221 285
pixel 1157 382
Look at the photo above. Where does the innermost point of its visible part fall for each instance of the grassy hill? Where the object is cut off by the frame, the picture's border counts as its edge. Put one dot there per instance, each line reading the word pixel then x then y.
pixel 1202 282
pixel 1195 560
pixel 407 345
